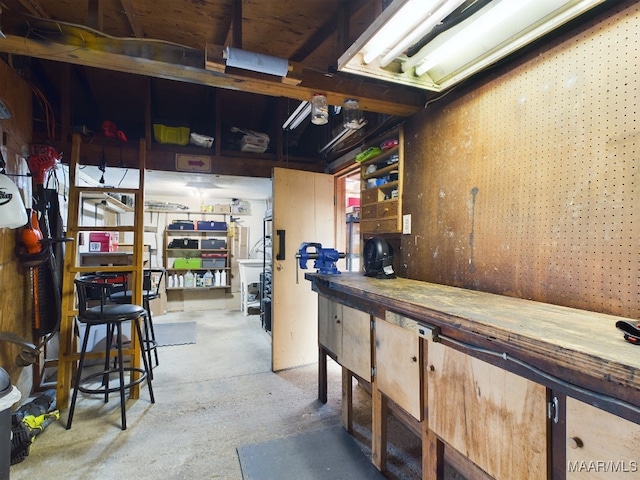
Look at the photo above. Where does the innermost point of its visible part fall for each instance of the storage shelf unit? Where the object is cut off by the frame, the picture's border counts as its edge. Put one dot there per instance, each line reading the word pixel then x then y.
pixel 381 191
pixel 192 259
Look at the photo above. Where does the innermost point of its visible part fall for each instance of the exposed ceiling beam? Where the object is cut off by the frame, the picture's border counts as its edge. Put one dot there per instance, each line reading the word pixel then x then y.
pixel 334 23
pixel 94 15
pixel 34 8
pixel 236 41
pixel 132 16
pixel 187 65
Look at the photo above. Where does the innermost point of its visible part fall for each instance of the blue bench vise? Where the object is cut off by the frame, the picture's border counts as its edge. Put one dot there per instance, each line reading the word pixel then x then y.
pixel 325 258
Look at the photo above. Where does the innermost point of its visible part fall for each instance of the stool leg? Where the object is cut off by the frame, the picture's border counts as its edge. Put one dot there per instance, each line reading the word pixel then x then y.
pixel 146 362
pixel 149 325
pixel 76 384
pixel 121 372
pixel 109 329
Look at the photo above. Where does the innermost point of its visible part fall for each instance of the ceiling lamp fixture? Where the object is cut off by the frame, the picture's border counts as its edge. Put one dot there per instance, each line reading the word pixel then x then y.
pixel 299 114
pixel 319 109
pixel 351 116
pixel 492 32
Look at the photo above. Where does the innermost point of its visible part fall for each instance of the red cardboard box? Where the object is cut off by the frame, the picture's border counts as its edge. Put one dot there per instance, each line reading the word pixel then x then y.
pixel 103 242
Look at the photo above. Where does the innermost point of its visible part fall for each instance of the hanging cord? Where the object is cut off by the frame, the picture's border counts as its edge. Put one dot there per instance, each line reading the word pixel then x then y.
pixel 50 121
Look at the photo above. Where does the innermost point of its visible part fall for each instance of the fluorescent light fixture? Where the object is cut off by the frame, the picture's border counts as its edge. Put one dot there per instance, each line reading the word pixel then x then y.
pixel 493 32
pixel 256 62
pixel 343 135
pixel 299 114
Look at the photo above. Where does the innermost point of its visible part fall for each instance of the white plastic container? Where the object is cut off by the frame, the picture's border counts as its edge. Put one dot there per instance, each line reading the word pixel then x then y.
pixel 208 279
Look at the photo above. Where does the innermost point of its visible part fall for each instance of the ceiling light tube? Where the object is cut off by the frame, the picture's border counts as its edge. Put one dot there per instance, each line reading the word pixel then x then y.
pixel 343 135
pixel 299 114
pixel 404 20
pixel 411 37
pixel 501 14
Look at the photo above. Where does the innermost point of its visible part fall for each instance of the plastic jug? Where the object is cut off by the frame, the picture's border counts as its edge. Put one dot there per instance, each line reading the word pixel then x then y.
pixel 218 279
pixel 223 278
pixel 189 280
pixel 208 279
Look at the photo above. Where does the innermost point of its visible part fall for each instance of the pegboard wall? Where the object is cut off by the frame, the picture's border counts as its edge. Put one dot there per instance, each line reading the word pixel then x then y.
pixel 528 185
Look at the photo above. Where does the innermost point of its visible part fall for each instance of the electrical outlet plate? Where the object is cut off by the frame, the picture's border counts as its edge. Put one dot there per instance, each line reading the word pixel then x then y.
pixel 406 224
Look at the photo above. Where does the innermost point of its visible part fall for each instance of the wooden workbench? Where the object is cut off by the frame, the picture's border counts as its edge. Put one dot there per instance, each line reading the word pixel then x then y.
pixel 573 359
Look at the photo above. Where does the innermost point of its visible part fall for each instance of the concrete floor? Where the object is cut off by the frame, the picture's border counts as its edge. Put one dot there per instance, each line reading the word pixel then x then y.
pixel 211 397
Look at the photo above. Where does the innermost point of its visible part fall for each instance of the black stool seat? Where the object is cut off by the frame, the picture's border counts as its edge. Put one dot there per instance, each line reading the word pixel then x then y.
pixel 114 313
pixel 112 316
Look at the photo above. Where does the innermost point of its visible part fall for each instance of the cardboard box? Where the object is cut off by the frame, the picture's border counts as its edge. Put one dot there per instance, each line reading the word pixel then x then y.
pixel 103 241
pixel 219 208
pixel 254 144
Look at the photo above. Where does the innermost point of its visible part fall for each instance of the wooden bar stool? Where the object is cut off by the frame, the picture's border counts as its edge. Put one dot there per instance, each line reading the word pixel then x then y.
pixel 112 316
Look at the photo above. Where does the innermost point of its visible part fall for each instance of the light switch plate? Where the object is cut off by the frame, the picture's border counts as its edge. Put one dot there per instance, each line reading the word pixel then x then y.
pixel 406 224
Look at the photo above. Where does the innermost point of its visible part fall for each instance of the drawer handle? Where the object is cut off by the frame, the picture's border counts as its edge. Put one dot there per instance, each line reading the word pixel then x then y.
pixel 575 442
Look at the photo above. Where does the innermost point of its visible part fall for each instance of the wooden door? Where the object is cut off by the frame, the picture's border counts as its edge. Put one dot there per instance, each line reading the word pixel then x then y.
pixel 303 211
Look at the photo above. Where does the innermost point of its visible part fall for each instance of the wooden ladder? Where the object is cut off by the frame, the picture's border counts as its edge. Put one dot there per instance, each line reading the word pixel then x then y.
pixel 69 356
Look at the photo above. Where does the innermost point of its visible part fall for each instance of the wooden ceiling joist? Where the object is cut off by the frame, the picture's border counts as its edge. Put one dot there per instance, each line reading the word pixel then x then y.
pixel 132 16
pixel 102 52
pixel 35 8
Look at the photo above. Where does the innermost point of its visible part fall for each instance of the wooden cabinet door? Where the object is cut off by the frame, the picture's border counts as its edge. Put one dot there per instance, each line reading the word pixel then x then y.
pixel 495 418
pixel 600 445
pixel 397 357
pixel 356 342
pixel 330 325
pixel 303 211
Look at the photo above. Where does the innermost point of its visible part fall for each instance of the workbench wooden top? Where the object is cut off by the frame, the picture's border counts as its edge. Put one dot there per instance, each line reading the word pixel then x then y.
pixel 580 347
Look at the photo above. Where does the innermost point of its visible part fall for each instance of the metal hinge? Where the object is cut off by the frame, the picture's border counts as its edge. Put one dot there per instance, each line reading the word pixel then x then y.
pixel 373 372
pixel 373 324
pixel 553 410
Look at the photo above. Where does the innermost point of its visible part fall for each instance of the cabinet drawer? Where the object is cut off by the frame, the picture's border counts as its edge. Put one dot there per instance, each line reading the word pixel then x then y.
pixel 387 209
pixel 388 225
pixel 596 437
pixel 369 211
pixel 369 196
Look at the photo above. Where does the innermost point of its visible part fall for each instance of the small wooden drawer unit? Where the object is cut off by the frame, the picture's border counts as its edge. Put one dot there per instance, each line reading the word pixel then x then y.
pixel 381 187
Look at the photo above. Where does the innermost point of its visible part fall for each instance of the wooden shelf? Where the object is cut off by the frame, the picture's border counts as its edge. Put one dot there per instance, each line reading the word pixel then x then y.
pixel 106 201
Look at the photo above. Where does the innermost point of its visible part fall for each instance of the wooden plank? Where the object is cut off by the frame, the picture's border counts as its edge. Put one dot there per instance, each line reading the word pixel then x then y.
pixel 495 418
pixel 599 445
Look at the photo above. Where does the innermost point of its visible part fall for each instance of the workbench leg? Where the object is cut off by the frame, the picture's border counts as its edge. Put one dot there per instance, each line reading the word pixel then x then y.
pixel 432 455
pixel 378 428
pixel 347 400
pixel 322 374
